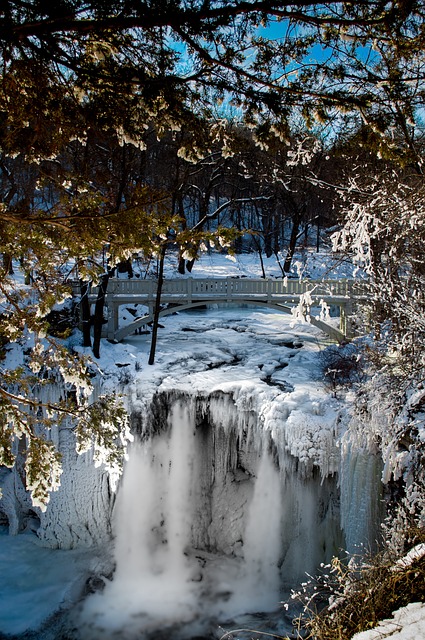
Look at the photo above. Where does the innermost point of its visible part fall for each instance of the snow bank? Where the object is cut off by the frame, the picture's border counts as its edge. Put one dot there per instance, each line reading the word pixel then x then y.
pixel 407 623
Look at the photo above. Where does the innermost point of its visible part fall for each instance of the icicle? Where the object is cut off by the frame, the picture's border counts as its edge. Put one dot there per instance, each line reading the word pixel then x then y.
pixel 361 498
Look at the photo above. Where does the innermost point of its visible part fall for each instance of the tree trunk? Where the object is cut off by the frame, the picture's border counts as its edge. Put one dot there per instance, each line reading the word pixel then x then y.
pixel 296 220
pixel 182 266
pixel 318 235
pixel 157 307
pixel 268 249
pixel 276 230
pixel 178 201
pixel 85 313
pixel 260 255
pixel 98 318
pixel 98 314
pixel 8 264
pixel 279 263
pixel 376 250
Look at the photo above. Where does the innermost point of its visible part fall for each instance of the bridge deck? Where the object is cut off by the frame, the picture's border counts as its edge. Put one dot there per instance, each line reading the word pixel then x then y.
pixel 190 292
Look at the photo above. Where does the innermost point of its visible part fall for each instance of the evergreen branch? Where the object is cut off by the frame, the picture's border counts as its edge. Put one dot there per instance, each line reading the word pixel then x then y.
pixel 36 404
pixel 177 18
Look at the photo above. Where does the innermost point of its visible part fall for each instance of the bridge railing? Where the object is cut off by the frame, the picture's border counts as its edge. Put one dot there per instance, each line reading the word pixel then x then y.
pixel 236 287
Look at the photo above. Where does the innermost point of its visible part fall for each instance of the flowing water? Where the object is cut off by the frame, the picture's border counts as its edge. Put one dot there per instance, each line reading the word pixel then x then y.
pixel 162 586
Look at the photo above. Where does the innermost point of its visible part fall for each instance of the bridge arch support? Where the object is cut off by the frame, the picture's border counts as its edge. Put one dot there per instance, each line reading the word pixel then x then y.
pixel 119 334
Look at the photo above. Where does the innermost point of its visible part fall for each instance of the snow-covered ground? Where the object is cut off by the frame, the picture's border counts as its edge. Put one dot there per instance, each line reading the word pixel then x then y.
pixel 305 264
pixel 245 350
pixel 407 623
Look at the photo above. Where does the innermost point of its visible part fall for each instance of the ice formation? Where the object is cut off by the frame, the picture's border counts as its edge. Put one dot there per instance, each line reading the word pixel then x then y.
pixel 225 503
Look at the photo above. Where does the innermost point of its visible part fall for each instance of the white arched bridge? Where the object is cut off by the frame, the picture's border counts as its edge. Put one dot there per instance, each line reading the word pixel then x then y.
pixel 186 293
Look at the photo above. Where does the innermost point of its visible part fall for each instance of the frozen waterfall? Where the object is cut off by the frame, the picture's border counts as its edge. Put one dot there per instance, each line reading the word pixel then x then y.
pixel 240 481
pixel 212 522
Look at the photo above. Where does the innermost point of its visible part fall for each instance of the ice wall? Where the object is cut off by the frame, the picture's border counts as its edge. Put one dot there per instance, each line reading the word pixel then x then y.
pixel 79 513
